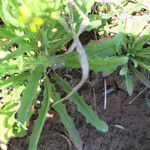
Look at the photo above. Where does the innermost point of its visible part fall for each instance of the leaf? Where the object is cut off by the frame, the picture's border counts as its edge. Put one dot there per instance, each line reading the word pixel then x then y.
pixel 8 69
pixel 6 15
pixel 141 77
pixel 144 52
pixel 108 64
pixel 97 64
pixel 106 48
pixel 6 33
pixel 42 60
pixel 86 110
pixel 123 71
pixel 129 84
pixel 98 51
pixel 95 22
pixel 14 80
pixel 67 121
pixel 37 129
pixel 18 52
pixel 145 64
pixel 29 95
pixel 142 40
pixel 85 5
pixel 94 25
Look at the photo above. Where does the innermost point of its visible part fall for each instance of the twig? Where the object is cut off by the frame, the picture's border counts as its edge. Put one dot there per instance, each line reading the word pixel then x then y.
pixel 80 50
pixel 105 94
pixel 85 22
pixel 67 139
pixel 85 70
pixel 137 95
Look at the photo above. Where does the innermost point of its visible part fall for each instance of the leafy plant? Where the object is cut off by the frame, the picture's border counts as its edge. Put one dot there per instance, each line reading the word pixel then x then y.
pixel 138 55
pixel 31 34
pixel 33 38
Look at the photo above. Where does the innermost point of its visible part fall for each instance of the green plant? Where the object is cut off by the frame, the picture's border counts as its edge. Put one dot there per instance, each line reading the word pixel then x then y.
pixel 33 35
pixel 30 35
pixel 136 59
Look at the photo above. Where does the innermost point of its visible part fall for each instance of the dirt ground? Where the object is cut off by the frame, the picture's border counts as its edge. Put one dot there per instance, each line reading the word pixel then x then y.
pixel 129 124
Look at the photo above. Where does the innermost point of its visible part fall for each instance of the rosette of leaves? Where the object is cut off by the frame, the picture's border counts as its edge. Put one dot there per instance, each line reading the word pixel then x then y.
pixel 32 35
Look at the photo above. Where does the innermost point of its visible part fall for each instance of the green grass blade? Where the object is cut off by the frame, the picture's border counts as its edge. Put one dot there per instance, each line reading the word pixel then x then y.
pixel 141 77
pixel 86 110
pixel 67 122
pixel 37 129
pixel 29 95
pixel 129 84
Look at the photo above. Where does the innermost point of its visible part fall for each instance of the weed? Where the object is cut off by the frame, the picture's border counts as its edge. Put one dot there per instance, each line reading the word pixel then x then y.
pixel 32 37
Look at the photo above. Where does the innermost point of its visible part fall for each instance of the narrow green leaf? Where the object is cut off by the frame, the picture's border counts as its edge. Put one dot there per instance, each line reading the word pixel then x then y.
pixel 6 33
pixel 108 64
pixel 145 51
pixel 8 69
pixel 67 121
pixel 145 64
pixel 99 54
pixel 29 95
pixel 37 129
pixel 129 84
pixel 42 60
pixel 141 77
pixel 94 24
pixel 97 64
pixel 14 80
pixel 86 110
pixel 21 50
pixel 142 40
pixel 6 14
pixel 106 48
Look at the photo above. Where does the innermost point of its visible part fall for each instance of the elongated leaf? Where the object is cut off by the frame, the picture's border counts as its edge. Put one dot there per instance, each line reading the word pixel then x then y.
pixel 100 49
pixel 8 69
pixel 86 110
pixel 141 77
pixel 67 121
pixel 19 52
pixel 142 40
pixel 144 51
pixel 6 33
pixel 29 95
pixel 106 48
pixel 14 80
pixel 37 129
pixel 144 64
pixel 42 60
pixel 129 84
pixel 108 64
pixel 97 64
pixel 6 15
